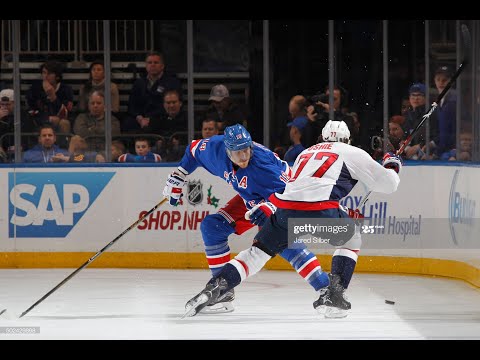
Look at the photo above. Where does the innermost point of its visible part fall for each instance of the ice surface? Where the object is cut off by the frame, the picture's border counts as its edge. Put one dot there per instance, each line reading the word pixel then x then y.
pixel 148 304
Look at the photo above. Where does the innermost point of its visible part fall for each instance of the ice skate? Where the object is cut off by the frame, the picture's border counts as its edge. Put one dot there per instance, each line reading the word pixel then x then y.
pixel 324 299
pixel 207 296
pixel 222 305
pixel 332 301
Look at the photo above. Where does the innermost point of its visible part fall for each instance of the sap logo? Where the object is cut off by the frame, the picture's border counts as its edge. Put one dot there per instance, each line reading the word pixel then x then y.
pixel 51 204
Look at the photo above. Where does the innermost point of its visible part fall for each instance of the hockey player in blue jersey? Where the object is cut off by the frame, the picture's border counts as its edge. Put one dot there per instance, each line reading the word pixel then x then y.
pixel 323 174
pixel 255 173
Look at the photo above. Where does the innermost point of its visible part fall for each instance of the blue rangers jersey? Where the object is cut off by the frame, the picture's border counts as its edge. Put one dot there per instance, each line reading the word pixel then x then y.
pixel 264 175
pixel 149 158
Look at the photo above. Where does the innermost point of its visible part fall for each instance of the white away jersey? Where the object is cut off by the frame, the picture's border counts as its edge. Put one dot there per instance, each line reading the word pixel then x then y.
pixel 328 171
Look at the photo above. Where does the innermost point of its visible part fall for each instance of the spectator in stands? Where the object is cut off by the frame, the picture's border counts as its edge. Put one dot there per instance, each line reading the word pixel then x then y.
pixel 224 110
pixel 91 125
pixel 144 153
pixel 297 107
pixel 117 149
pixel 145 103
pixel 354 127
pixel 160 147
pixel 46 149
pixel 175 149
pixel 319 111
pixel 174 120
pixel 396 135
pixel 465 153
pixel 297 126
pixel 445 116
pixel 209 128
pixel 7 125
pixel 96 81
pixel 50 100
pixel 77 152
pixel 404 106
pixel 413 116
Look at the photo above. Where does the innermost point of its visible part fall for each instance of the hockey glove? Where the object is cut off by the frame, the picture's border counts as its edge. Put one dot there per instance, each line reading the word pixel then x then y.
pixel 259 214
pixel 392 161
pixel 174 187
pixel 355 214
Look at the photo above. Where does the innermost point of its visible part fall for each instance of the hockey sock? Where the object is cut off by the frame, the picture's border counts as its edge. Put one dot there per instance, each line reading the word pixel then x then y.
pixel 343 264
pixel 217 256
pixel 307 265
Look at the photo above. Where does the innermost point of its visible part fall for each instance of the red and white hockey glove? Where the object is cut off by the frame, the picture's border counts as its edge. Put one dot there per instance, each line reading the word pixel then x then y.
pixel 392 161
pixel 174 187
pixel 259 214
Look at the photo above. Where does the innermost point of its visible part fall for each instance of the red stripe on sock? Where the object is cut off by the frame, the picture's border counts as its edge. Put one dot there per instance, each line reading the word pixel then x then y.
pixel 218 260
pixel 307 269
pixel 245 267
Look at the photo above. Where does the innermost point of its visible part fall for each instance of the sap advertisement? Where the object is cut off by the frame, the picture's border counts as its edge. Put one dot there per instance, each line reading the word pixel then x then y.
pixel 82 209
pixel 434 212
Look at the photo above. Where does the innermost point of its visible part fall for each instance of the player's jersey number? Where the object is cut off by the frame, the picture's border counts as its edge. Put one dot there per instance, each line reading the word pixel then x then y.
pixel 327 159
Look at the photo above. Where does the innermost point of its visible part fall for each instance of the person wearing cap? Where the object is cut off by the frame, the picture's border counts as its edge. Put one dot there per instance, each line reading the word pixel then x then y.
pixel 445 116
pixel 297 127
pixel 7 105
pixel 413 116
pixel 224 110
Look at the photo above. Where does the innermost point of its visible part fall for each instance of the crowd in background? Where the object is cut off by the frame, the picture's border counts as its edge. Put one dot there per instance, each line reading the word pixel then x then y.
pixel 154 127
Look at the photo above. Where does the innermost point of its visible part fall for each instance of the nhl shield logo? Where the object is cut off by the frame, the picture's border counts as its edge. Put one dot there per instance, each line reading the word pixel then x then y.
pixel 195 193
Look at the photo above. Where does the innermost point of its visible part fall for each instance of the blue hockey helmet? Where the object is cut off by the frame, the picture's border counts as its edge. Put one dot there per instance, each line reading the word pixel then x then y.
pixel 236 137
pixel 238 144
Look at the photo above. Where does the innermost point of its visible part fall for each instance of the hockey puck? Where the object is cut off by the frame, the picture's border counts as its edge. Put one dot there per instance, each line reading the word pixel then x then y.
pixel 389 302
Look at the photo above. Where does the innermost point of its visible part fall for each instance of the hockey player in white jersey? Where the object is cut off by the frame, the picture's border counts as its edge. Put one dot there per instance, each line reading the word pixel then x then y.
pixel 323 174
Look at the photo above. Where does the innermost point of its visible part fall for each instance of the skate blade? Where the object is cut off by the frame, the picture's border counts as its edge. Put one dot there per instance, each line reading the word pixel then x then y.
pixel 335 313
pixel 218 308
pixel 191 307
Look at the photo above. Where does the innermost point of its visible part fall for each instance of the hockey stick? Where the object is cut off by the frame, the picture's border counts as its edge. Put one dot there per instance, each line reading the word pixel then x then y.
pixel 91 259
pixel 466 54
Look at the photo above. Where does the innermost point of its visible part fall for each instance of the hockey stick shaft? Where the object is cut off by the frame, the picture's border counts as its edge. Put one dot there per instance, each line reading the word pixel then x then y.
pixel 467 47
pixel 93 257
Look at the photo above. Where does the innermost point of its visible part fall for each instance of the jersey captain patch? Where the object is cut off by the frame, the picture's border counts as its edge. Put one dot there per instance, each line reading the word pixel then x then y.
pixel 243 183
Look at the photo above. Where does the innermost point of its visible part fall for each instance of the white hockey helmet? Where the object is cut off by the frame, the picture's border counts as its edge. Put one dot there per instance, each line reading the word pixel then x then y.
pixel 336 131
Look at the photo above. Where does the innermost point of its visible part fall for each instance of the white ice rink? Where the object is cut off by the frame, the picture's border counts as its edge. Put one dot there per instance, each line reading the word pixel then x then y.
pixel 148 304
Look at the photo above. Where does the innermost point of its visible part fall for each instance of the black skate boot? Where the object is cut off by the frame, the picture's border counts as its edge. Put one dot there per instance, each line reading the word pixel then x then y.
pixel 207 296
pixel 332 301
pixel 223 304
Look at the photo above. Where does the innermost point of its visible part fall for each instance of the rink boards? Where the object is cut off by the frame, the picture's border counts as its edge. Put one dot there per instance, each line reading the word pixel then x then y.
pixel 60 216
